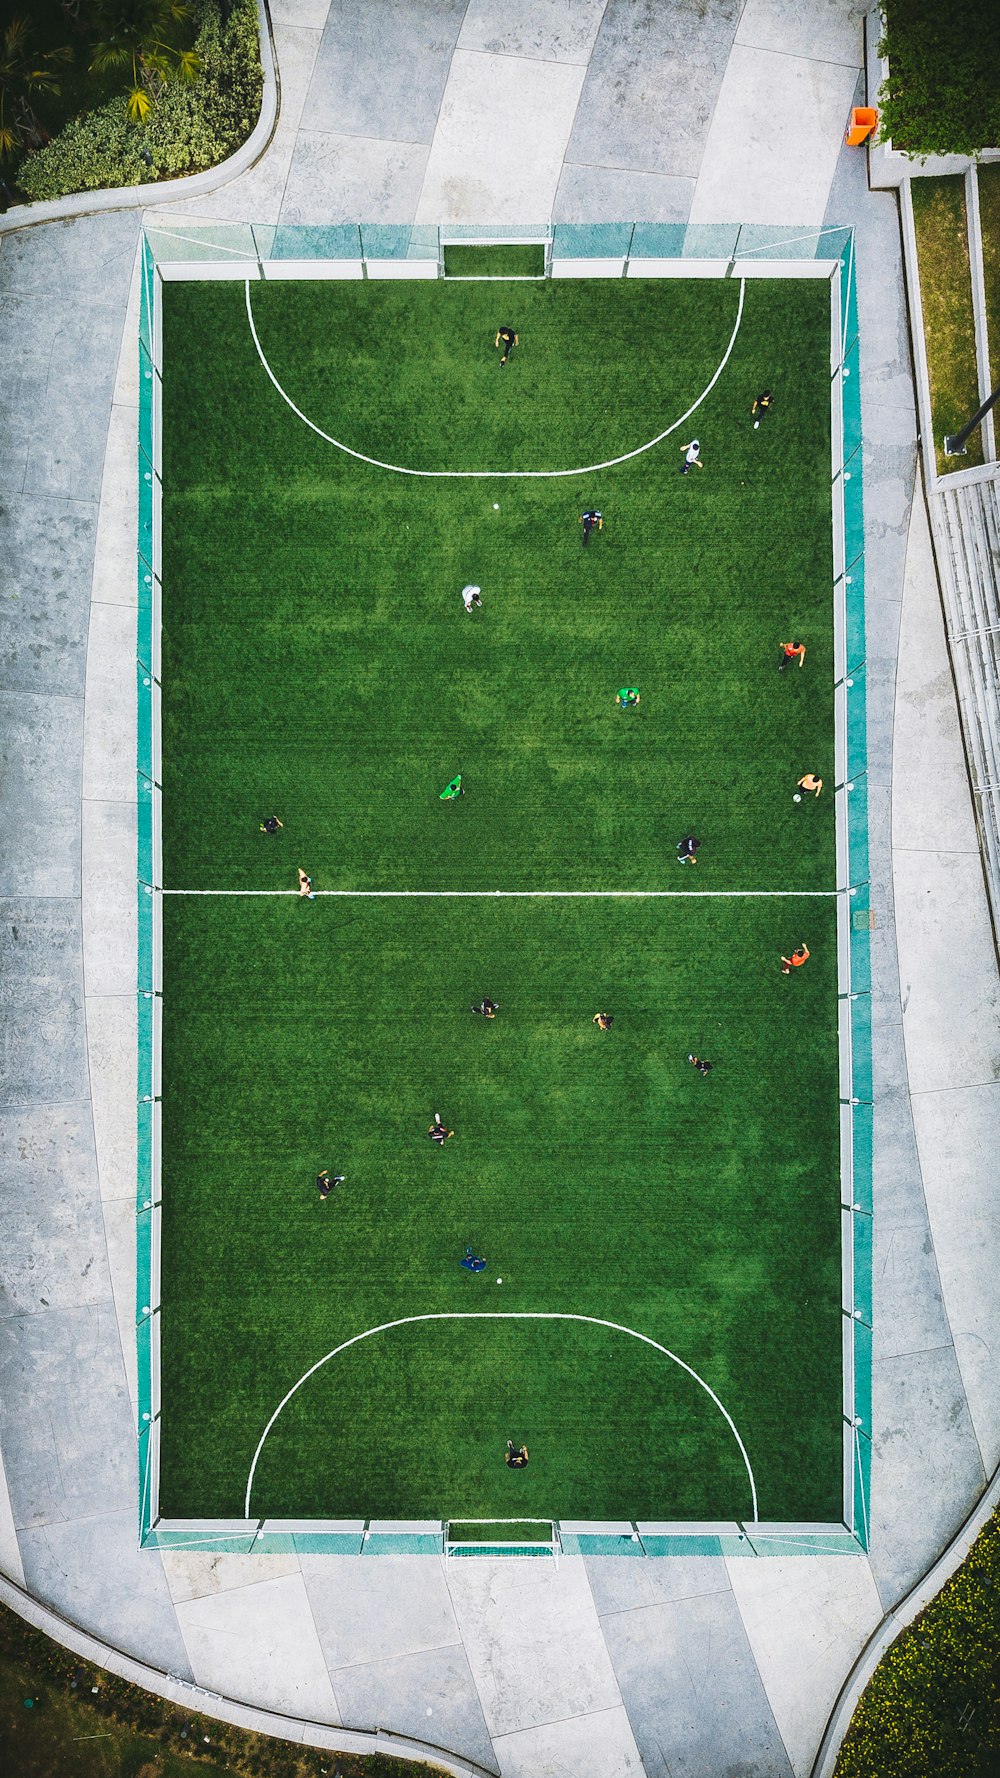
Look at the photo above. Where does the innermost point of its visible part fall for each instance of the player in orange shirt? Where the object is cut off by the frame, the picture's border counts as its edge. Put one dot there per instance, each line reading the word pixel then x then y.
pixel 799 956
pixel 789 652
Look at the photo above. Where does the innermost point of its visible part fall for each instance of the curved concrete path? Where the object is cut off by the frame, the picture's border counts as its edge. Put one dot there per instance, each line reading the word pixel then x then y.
pixel 606 1666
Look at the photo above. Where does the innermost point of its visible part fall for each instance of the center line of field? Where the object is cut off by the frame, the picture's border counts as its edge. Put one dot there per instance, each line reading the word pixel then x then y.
pixel 528 894
pixel 497 474
pixel 504 1315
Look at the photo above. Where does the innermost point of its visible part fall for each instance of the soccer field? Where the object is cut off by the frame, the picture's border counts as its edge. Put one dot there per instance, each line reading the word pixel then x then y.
pixel 667 1336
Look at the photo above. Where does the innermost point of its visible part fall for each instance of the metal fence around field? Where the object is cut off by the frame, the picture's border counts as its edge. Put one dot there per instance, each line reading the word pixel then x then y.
pixel 214 250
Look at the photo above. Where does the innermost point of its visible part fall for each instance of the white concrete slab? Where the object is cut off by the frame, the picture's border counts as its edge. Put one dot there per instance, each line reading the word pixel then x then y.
pixel 195 1574
pixel 10 1555
pixel 931 802
pixel 119 1236
pixel 500 140
pixel 257 196
pixel 545 30
pixel 127 374
pixel 309 13
pixel 111 1059
pixel 260 1643
pixel 806 1619
pixel 114 551
pixel 774 139
pixel 823 31
pixel 337 178
pixel 958 1139
pixel 110 919
pixel 110 713
pixel 369 1610
pixel 947 971
pixel 533 1640
pixel 602 1745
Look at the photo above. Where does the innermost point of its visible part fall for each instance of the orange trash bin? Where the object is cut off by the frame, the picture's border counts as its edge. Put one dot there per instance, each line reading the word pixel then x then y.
pixel 864 122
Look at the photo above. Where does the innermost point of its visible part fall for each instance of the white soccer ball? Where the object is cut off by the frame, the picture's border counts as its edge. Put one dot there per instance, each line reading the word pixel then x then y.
pixel 496 506
pixel 499 1280
pixel 796 797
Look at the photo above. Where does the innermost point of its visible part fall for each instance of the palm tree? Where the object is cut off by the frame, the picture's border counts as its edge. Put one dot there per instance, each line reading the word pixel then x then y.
pixel 22 74
pixel 136 34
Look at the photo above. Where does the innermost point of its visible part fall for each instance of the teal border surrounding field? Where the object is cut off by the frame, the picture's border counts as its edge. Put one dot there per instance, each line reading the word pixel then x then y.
pixel 571 250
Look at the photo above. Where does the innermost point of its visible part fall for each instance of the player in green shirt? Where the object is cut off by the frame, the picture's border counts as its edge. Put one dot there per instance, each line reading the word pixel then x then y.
pixel 627 698
pixel 453 789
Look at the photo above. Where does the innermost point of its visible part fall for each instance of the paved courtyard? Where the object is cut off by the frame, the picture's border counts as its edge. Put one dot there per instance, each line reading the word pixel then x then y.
pixel 486 111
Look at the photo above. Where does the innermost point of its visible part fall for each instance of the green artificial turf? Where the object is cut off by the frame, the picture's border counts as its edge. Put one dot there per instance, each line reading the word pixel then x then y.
pixel 509 260
pixel 318 665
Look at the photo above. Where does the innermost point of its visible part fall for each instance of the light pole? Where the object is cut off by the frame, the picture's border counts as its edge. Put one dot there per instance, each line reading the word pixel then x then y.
pixel 955 442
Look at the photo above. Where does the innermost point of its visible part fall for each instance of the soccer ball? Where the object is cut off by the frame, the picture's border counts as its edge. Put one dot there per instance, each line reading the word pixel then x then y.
pixel 499 1280
pixel 496 506
pixel 796 797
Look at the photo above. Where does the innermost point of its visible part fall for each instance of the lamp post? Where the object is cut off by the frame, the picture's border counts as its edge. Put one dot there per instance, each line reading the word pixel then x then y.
pixel 955 442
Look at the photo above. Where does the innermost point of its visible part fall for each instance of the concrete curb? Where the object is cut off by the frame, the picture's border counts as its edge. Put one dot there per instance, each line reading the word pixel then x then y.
pixel 894 1622
pixel 242 1716
pixel 196 185
pixel 979 307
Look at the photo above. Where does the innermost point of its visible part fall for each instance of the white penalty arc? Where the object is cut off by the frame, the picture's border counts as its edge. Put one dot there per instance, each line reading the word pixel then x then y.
pixel 504 1315
pixel 497 474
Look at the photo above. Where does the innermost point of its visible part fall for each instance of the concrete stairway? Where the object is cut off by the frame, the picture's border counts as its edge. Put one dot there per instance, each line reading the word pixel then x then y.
pixel 966 522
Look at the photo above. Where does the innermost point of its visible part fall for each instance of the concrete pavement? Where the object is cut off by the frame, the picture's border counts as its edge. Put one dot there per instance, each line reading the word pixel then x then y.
pixel 606 1666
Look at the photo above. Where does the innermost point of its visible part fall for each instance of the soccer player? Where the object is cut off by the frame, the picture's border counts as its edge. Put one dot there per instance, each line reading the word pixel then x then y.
pixel 686 849
pixel 271 825
pixel 811 782
pixel 306 886
pixel 628 698
pixel 508 339
pixel 471 599
pixel 439 1132
pixel 473 1262
pixel 516 1456
pixel 603 1020
pixel 589 520
pixel 489 1008
pixel 789 652
pixel 692 459
pixel 700 1065
pixel 799 956
pixel 452 790
pixel 763 405
pixel 325 1183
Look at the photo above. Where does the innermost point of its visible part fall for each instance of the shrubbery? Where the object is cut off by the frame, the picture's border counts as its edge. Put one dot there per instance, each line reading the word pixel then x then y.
pixel 192 126
pixel 943 93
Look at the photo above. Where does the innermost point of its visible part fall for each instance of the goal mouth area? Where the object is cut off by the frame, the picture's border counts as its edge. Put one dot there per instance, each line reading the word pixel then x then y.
pixel 501 1537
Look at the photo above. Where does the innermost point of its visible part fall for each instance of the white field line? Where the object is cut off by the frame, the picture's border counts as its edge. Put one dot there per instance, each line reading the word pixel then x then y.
pixel 532 894
pixel 496 474
pixel 501 1315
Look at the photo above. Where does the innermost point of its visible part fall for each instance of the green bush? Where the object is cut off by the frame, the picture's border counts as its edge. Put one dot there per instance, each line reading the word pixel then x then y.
pixel 191 128
pixel 943 92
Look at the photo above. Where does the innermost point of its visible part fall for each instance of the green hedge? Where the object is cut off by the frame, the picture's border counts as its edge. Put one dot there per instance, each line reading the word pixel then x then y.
pixel 932 1706
pixel 191 128
pixel 943 94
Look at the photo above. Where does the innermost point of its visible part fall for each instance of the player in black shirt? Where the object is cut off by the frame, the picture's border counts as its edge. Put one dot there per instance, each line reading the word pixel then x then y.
pixel 588 520
pixel 508 339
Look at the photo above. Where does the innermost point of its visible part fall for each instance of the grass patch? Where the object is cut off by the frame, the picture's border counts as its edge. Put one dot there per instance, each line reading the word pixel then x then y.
pixel 525 1531
pixel 500 261
pixel 932 1706
pixel 318 665
pixel 989 217
pixel 939 219
pixel 85 1723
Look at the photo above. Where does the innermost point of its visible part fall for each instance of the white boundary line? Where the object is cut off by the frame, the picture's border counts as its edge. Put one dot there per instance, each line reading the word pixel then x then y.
pixel 495 474
pixel 502 1315
pixel 537 894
